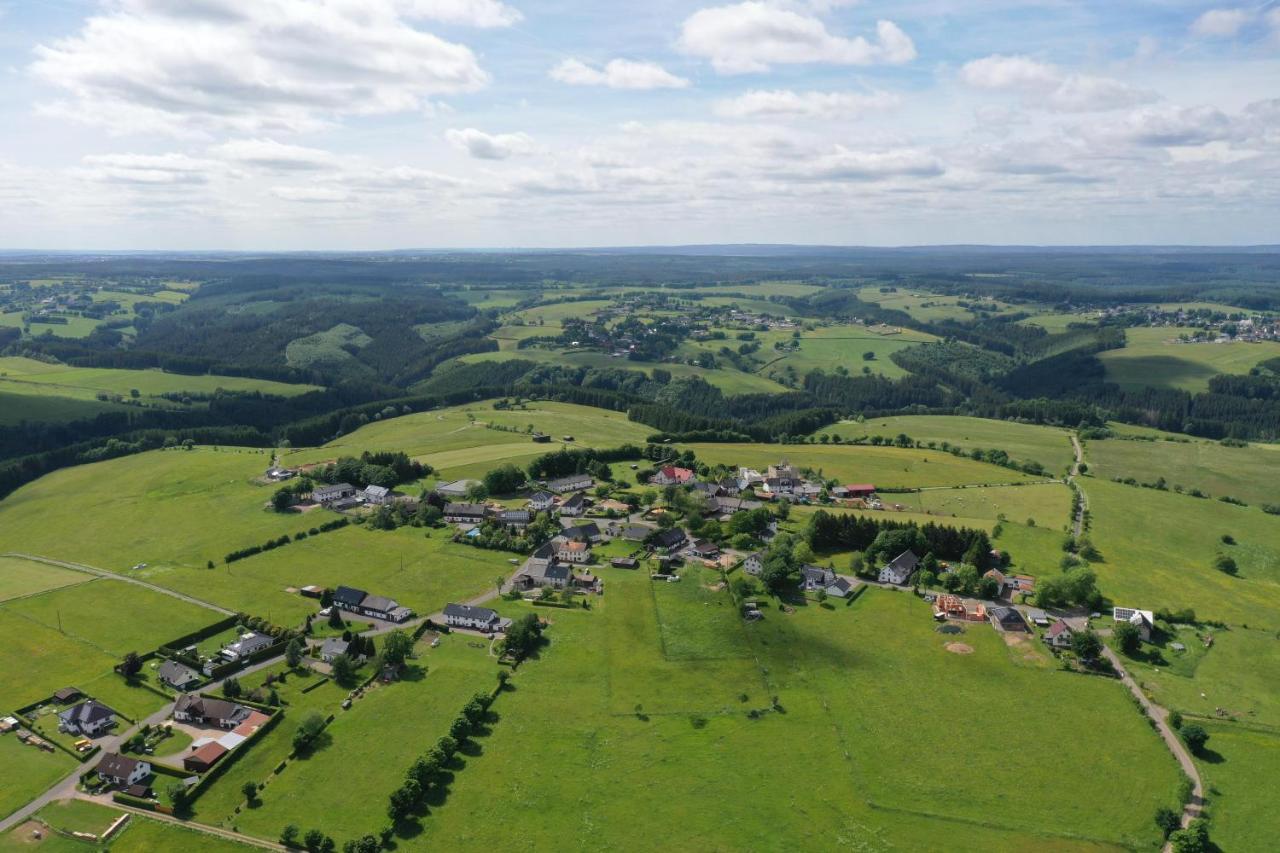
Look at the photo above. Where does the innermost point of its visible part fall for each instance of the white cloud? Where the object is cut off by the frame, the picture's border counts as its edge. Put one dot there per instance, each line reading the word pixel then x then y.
pixel 148 169
pixel 752 36
pixel 148 65
pixel 486 146
pixel 844 164
pixel 617 74
pixel 275 156
pixel 784 103
pixel 311 195
pixel 1176 126
pixel 1220 23
pixel 1049 87
pixel 475 13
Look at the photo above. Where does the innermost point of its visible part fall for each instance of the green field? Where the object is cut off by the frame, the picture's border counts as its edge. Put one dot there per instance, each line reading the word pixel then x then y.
pixel 40 405
pixel 930 307
pixel 1152 358
pixel 830 347
pixel 27 772
pixel 885 467
pixel 78 816
pixel 1248 473
pixel 24 577
pixel 1241 779
pixel 624 745
pixel 1050 446
pixel 325 350
pixel 1057 323
pixel 18 375
pixel 1158 549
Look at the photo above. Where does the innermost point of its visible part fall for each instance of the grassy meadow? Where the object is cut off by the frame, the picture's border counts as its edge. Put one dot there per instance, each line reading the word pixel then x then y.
pixel 930 307
pixel 1248 473
pixel 1151 357
pixel 26 772
pixel 1239 768
pixel 19 578
pixel 829 347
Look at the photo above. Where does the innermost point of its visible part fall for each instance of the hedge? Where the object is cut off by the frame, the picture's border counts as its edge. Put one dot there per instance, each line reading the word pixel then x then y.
pixel 218 769
pixel 136 802
pixel 202 634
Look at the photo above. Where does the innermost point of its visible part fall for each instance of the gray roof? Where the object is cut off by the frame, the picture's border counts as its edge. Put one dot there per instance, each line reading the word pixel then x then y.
pixel 377 491
pixel 817 573
pixel 589 530
pixel 542 496
pixel 575 500
pixel 465 509
pixel 349 595
pixel 466 611
pixel 564 482
pixel 905 562
pixel 91 711
pixel 557 571
pixel 1007 616
pixel 515 516
pixel 210 709
pixel 380 603
pixel 334 646
pixel 176 673
pixel 116 766
pixel 669 537
pixel 334 488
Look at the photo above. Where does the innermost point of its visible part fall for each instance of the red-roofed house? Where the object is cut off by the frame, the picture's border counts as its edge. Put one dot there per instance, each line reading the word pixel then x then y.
pixel 204 757
pixel 671 476
pixel 1058 635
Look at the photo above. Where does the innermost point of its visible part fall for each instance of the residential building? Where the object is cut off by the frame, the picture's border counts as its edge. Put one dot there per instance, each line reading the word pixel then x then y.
pixel 856 490
pixel 332 494
pixel 813 578
pixel 460 513
pixel 335 646
pixel 574 505
pixel 207 711
pixel 671 538
pixel 1143 620
pixel 1008 619
pixel 572 483
pixel 573 551
pixel 89 718
pixel 1038 617
pixel 517 518
pixel 900 569
pixel 541 501
pixel 204 757
pixel 670 475
pixel 585 532
pixel 177 675
pixel 635 532
pixel 247 645
pixel 954 607
pixel 1059 635
pixel 377 495
pixel 754 563
pixel 475 618
pixel 121 770
pixel 367 604
pixel 705 548
pixel 748 477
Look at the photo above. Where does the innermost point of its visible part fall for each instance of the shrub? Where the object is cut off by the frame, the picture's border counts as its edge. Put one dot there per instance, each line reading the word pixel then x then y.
pixel 1194 735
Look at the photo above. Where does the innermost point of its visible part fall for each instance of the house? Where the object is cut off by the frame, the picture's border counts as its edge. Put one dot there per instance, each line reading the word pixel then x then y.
pixel 247 645
pixel 1008 619
pixel 335 646
pixel 376 495
pixel 611 505
pixel 587 582
pixel 587 532
pixel 623 563
pixel 1022 583
pixel 1038 617
pixel 574 505
pixel 572 551
pixel 635 532
pixel 671 538
pixel 121 770
pixel 541 501
pixel 205 711
pixel 900 569
pixel 1059 635
pixel 572 483
pixel 518 518
pixel 748 477
pixel 705 548
pixel 813 578
pixel 948 606
pixel 670 475
pixel 459 513
pixel 332 494
pixel 89 718
pixel 729 487
pixel 1143 620
pixel 204 757
pixel 475 618
pixel 67 694
pixel 725 507
pixel 178 676
pixel 754 563
pixel 456 488
pixel 782 479
pixel 366 604
pixel 857 490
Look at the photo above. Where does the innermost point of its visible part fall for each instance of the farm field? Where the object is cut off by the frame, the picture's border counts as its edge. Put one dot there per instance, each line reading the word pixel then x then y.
pixel 835 671
pixel 830 347
pixel 930 307
pixel 1158 549
pixel 163 507
pixel 36 405
pixel 1150 358
pixel 26 772
pixel 1057 323
pixel 78 816
pixel 885 467
pixel 1240 776
pixel 18 374
pixel 24 577
pixel 370 747
pixel 1047 503
pixel 1050 446
pixel 1248 473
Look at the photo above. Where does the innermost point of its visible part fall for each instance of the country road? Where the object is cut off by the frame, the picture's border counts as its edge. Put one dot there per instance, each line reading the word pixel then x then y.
pixel 103 573
pixel 1077 528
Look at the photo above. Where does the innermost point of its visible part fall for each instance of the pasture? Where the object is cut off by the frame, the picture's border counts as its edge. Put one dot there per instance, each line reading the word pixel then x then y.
pixel 1248 473
pixel 931 307
pixel 34 404
pixel 84 382
pixel 1152 357
pixel 830 347
pixel 1158 548
pixel 20 577
pixel 623 744
pixel 1240 775
pixel 1050 446
pixel 26 772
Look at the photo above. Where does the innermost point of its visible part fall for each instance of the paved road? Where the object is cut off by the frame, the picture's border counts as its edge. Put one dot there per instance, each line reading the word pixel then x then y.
pixel 103 573
pixel 1171 739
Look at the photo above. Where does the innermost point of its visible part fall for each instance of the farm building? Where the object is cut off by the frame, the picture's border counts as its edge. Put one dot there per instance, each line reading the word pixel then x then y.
pixel 460 513
pixel 900 569
pixel 572 483
pixel 475 618
pixel 332 494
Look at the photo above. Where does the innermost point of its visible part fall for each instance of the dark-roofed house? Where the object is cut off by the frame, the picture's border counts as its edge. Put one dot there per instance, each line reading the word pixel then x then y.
pixel 574 505
pixel 1059 635
pixel 900 569
pixel 541 501
pixel 475 618
pixel 67 694
pixel 121 770
pixel 204 757
pixel 586 532
pixel 705 548
pixel 1008 619
pixel 207 711
pixel 348 597
pixel 457 513
pixel 754 563
pixel 571 483
pixel 178 676
pixel 90 718
pixel 635 532
pixel 623 563
pixel 814 578
pixel 333 493
pixel 335 646
pixel 672 537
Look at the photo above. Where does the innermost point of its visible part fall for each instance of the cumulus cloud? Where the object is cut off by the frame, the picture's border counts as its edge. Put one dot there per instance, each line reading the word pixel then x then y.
pixel 311 195
pixel 487 146
pixel 617 74
pixel 275 156
pixel 844 164
pixel 784 103
pixel 147 65
pixel 475 13
pixel 1220 23
pixel 148 169
pixel 752 36
pixel 1048 86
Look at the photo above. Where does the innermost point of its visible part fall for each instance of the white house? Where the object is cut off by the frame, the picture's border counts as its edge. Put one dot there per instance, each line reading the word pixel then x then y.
pixel 121 770
pixel 753 564
pixel 90 718
pixel 572 483
pixel 333 493
pixel 376 494
pixel 541 501
pixel 475 618
pixel 458 513
pixel 574 506
pixel 1143 620
pixel 574 551
pixel 900 569
pixel 1059 635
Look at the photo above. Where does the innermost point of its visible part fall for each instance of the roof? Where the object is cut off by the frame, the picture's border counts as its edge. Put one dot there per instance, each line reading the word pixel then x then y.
pixel 334 646
pixel 117 766
pixel 174 672
pixel 575 500
pixel 561 482
pixel 466 611
pixel 557 572
pixel 842 584
pixel 377 491
pixel 589 530
pixel 904 562
pixel 91 711
pixel 67 693
pixel 812 572
pixel 542 496
pixel 251 724
pixel 1007 616
pixel 860 487
pixel 465 509
pixel 349 595
pixel 207 754
pixel 209 708
pixel 575 547
pixel 515 515
pixel 1058 628
pixel 636 532
pixel 670 536
pixel 380 603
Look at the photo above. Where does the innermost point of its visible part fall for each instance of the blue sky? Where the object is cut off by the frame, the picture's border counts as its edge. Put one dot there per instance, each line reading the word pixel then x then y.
pixel 371 124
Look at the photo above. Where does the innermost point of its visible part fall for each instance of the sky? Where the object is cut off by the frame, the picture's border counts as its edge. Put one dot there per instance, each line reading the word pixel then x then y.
pixel 381 124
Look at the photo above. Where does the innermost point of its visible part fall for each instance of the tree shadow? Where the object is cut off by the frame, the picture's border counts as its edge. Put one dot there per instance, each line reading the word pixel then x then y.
pixel 1209 756
pixel 413 673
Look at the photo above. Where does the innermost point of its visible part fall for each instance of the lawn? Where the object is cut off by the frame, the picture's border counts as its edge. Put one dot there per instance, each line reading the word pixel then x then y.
pixel 145 835
pixel 27 772
pixel 870 697
pixel 1049 446
pixel 1240 771
pixel 20 577
pixel 1248 473
pixel 1158 549
pixel 885 467
pixel 78 816
pixel 1151 357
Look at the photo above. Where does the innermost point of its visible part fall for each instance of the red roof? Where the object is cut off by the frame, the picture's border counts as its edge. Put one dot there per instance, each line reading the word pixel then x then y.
pixel 207 754
pixel 251 723
pixel 1057 628
pixel 860 487
pixel 678 474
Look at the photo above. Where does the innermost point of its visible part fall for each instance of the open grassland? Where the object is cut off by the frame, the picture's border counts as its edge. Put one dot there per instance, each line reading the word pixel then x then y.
pixel 1057 323
pixel 419 572
pixel 83 382
pixel 1047 503
pixel 78 816
pixel 852 719
pixel 931 307
pixel 367 749
pixel 147 835
pixel 1240 768
pixel 1158 549
pixel 1248 473
pixel 27 772
pixel 766 289
pixel 1050 446
pixel 169 507
pixel 553 315
pixel 24 577
pixel 885 467
pixel 40 404
pixel 1152 357
pixel 830 347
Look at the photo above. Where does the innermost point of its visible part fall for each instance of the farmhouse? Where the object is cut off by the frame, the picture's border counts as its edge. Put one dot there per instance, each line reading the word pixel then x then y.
pixel 574 505
pixel 475 618
pixel 672 537
pixel 572 483
pixel 366 604
pixel 518 518
pixel 1007 619
pixel 541 501
pixel 204 757
pixel 121 770
pixel 900 569
pixel 332 494
pixel 574 552
pixel 459 513
pixel 177 676
pixel 855 490
pixel 586 532
pixel 1143 620
pixel 754 563
pixel 204 711
pixel 1059 635
pixel 455 489
pixel 376 495
pixel 670 475
pixel 88 718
